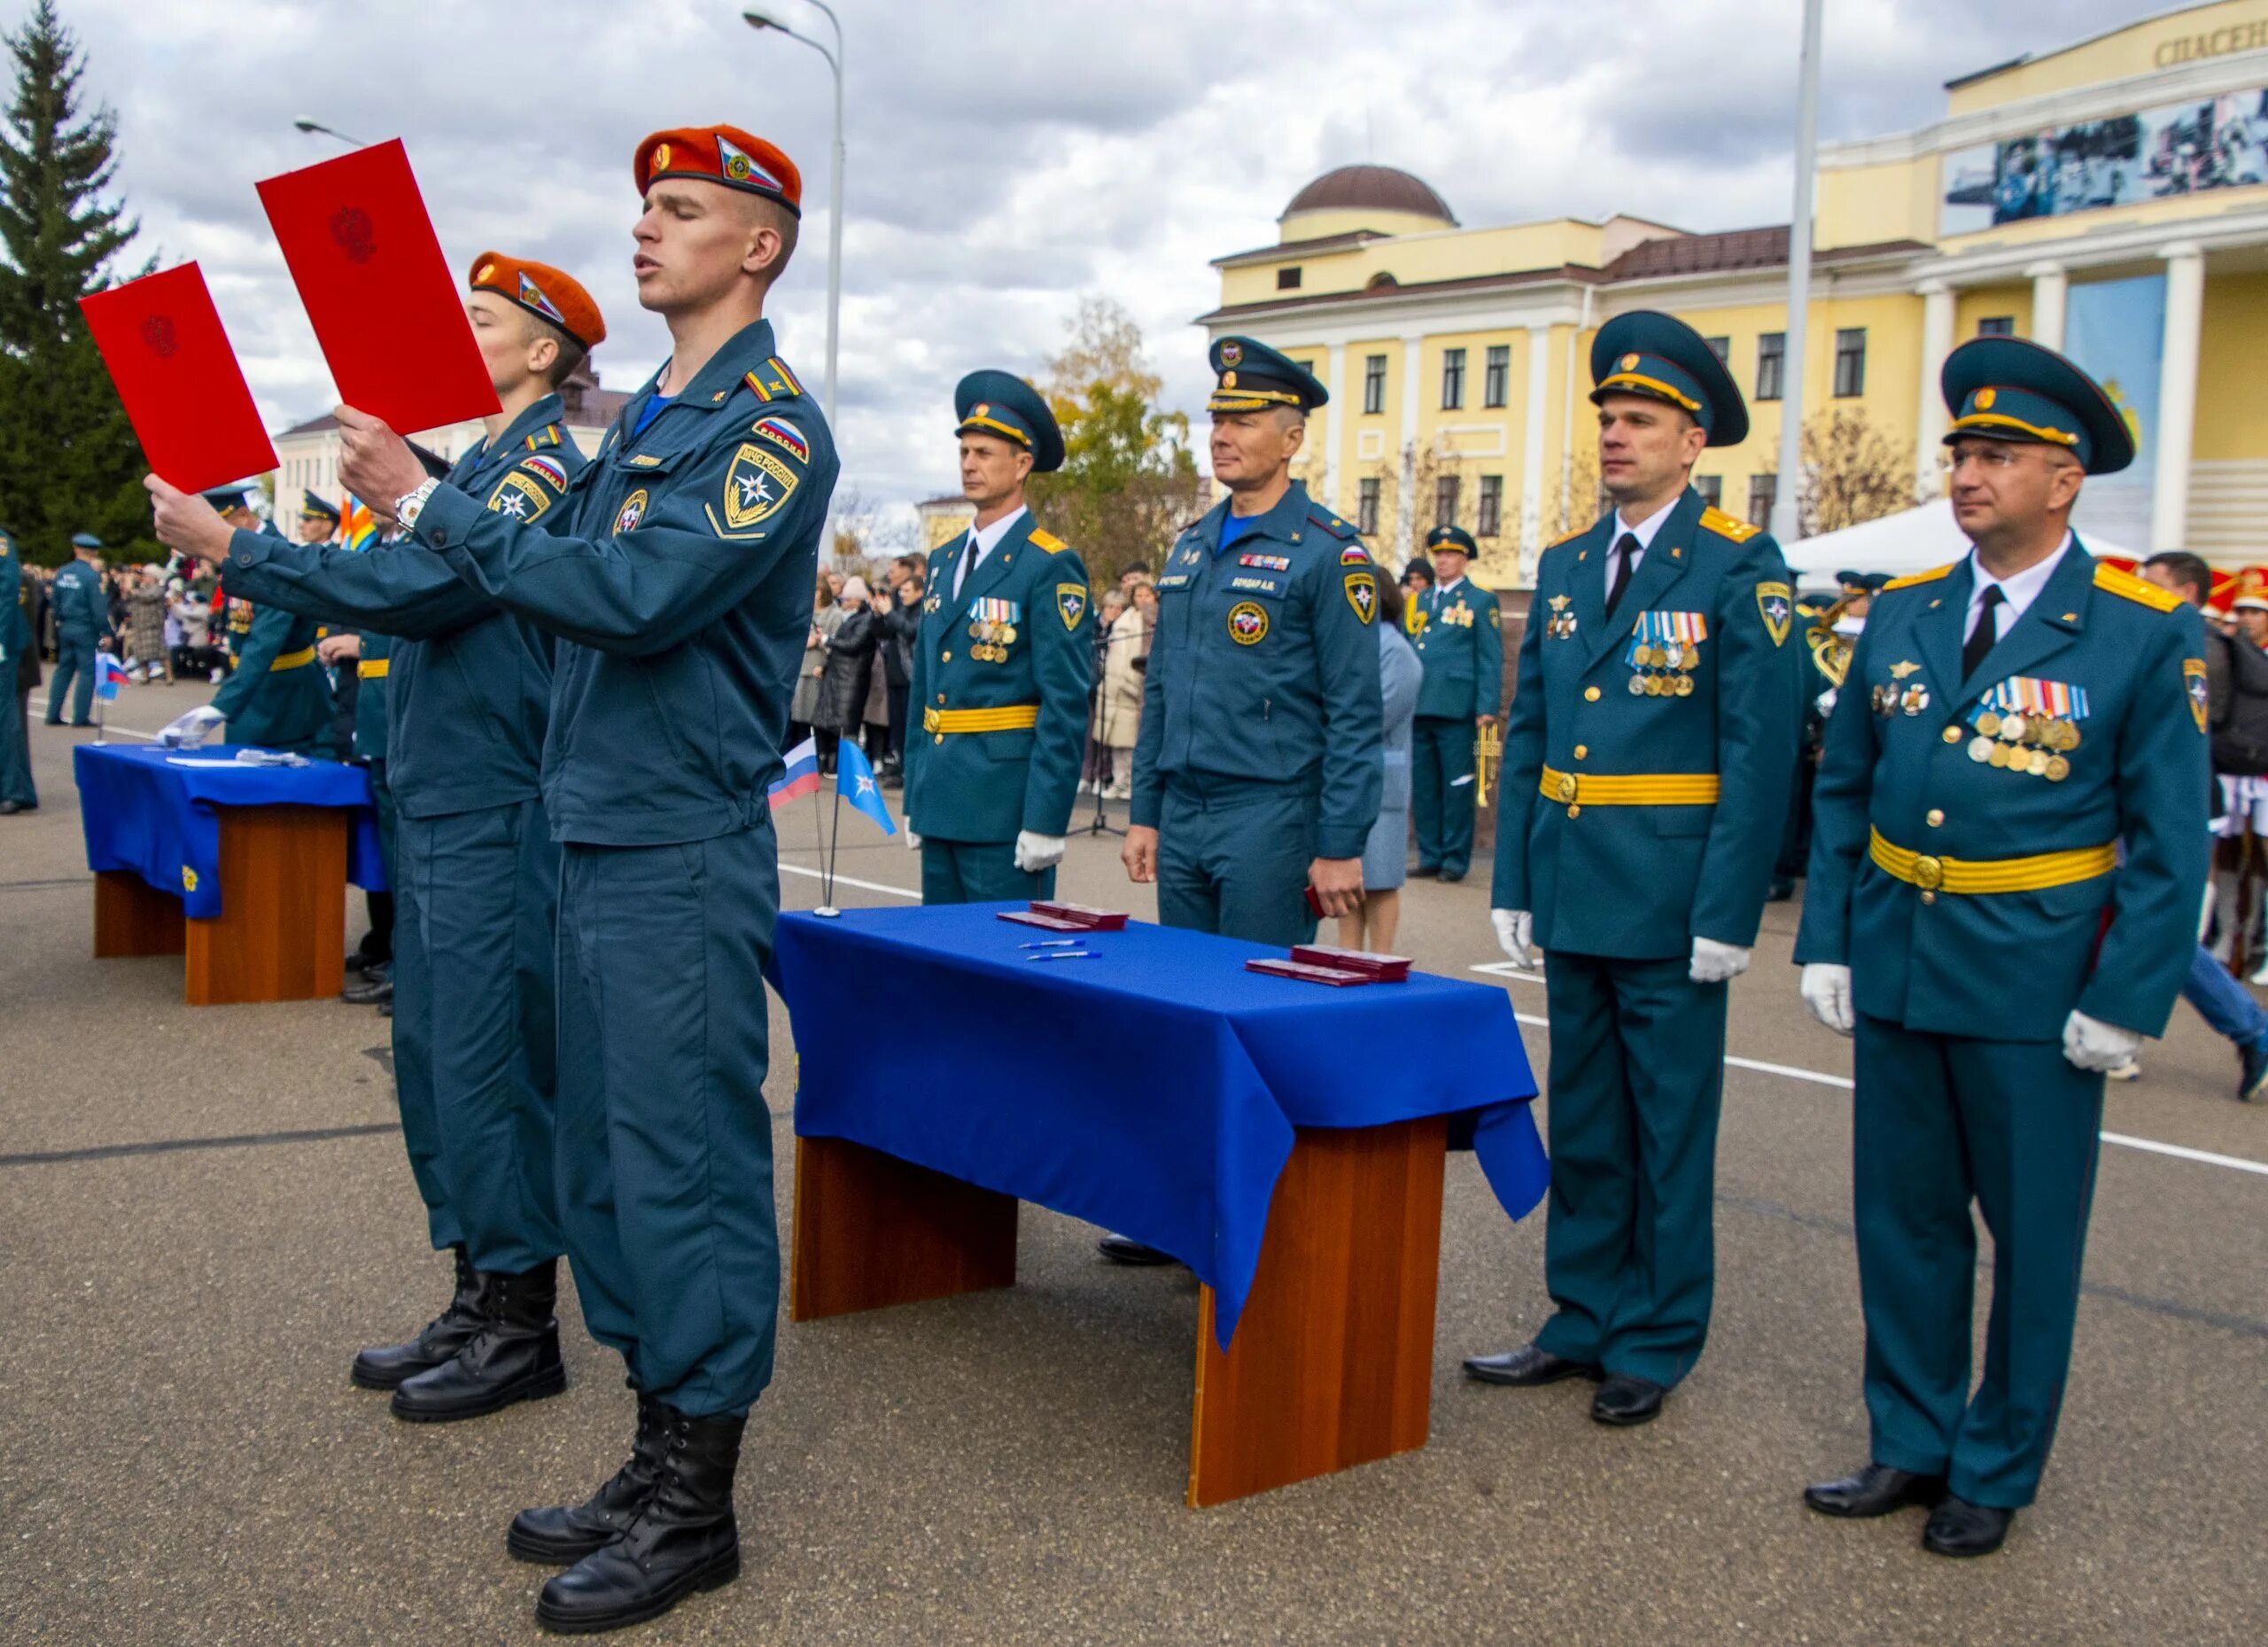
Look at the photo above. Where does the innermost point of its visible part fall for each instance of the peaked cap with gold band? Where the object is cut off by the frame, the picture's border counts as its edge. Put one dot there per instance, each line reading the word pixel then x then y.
pixel 2011 389
pixel 1003 404
pixel 1252 376
pixel 546 292
pixel 315 508
pixel 721 154
pixel 1455 540
pixel 1660 357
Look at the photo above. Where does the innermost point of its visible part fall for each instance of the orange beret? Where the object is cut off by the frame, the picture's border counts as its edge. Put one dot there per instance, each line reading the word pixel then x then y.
pixel 721 154
pixel 550 293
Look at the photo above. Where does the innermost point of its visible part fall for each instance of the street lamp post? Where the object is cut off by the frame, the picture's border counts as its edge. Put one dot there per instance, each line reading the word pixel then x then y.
pixel 765 14
pixel 316 127
pixel 1786 507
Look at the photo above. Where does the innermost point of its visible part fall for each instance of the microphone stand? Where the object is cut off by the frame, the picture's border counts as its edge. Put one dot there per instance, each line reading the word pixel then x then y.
pixel 1100 824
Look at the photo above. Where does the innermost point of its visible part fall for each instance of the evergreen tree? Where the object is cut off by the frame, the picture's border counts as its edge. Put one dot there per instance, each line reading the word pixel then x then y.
pixel 68 458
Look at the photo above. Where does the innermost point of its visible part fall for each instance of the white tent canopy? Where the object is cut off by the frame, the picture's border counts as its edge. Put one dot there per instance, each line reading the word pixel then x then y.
pixel 1912 540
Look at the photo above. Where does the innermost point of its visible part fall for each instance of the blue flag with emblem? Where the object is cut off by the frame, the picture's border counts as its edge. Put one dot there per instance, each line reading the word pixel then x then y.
pixel 854 782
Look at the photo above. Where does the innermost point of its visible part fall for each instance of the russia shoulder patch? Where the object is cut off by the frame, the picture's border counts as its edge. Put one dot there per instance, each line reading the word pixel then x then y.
pixel 549 469
pixel 1354 554
pixel 784 435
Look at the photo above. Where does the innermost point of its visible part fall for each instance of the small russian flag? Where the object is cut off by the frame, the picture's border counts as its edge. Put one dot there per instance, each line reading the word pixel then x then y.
pixel 801 778
pixel 109 674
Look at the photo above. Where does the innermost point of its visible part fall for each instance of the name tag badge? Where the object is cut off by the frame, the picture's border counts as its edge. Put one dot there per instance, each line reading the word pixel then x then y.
pixel 1174 580
pixel 1256 586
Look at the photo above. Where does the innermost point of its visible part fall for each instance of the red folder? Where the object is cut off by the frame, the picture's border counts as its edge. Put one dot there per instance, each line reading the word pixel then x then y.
pixel 371 274
pixel 184 394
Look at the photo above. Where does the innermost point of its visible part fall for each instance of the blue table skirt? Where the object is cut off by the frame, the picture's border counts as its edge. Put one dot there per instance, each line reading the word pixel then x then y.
pixel 1153 1090
pixel 144 813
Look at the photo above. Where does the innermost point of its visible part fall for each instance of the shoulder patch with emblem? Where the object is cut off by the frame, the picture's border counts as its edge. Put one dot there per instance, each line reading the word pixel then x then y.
pixel 1714 519
pixel 1776 604
pixel 784 435
pixel 1047 542
pixel 2193 685
pixel 520 495
pixel 2140 590
pixel 1354 554
pixel 756 486
pixel 1071 602
pixel 547 469
pixel 632 512
pixel 1363 594
pixel 1930 576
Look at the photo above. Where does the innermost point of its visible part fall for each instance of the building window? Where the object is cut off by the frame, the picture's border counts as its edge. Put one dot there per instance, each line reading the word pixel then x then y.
pixel 1497 389
pixel 1763 490
pixel 1851 361
pixel 1712 488
pixel 1373 383
pixel 1721 347
pixel 1997 326
pixel 1452 379
pixel 1445 490
pixel 1366 507
pixel 1491 518
pixel 1288 279
pixel 1771 359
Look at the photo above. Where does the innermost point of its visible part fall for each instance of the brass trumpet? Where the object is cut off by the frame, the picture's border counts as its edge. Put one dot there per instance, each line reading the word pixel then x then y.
pixel 1488 755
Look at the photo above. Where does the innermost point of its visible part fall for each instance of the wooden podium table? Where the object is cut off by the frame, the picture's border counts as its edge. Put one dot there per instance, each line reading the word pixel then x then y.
pixel 163 840
pixel 1286 1140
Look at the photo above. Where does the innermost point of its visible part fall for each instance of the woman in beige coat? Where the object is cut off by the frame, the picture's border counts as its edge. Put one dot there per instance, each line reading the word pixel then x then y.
pixel 1128 649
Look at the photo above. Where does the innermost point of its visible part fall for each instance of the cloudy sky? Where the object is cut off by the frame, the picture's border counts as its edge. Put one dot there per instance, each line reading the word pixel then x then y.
pixel 1004 157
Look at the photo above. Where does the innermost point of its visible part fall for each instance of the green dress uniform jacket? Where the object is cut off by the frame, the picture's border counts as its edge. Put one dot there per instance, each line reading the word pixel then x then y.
pixel 1261 745
pixel 1000 682
pixel 277 698
pixel 15 642
pixel 374 669
pixel 1978 903
pixel 678 574
pixel 1460 641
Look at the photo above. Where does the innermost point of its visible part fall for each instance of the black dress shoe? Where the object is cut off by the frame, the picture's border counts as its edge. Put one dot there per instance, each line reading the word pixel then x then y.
pixel 1527 1367
pixel 1450 877
pixel 1425 871
pixel 564 1534
pixel 1958 1527
pixel 1875 1490
pixel 1781 890
pixel 8 809
pixel 1624 1399
pixel 368 991
pixel 385 1366
pixel 1124 1249
pixel 514 1356
pixel 683 1539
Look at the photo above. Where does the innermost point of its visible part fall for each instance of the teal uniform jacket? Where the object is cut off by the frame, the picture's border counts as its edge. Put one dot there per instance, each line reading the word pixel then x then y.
pixel 1264 669
pixel 15 642
pixel 81 617
pixel 277 698
pixel 2013 965
pixel 1461 642
pixel 1681 870
pixel 991 785
pixel 375 670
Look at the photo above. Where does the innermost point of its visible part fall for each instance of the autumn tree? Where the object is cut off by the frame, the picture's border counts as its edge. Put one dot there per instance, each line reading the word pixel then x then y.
pixel 1852 473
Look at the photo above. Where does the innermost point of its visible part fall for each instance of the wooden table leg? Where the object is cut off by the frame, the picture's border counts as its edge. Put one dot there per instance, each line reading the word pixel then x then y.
pixel 281 932
pixel 873 1231
pixel 1332 1362
pixel 134 918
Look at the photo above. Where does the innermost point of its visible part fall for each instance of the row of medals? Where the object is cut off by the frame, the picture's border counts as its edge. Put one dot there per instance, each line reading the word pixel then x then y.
pixel 1684 659
pixel 992 641
pixel 2035 744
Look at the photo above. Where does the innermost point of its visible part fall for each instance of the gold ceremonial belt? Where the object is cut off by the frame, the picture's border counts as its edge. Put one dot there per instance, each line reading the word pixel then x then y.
pixel 292 660
pixel 373 669
pixel 1015 717
pixel 1667 788
pixel 1970 876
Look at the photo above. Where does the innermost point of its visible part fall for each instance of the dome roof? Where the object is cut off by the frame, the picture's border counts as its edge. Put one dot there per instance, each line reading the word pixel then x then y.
pixel 1371 188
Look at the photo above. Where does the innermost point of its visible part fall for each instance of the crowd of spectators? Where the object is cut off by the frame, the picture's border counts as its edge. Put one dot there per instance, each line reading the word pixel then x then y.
pixel 165 623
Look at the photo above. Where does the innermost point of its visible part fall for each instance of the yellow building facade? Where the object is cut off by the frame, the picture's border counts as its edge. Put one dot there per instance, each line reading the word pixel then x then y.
pixel 2108 196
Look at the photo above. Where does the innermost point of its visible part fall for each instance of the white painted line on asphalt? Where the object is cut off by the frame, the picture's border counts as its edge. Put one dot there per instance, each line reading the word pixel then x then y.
pixel 1820 1078
pixel 846 880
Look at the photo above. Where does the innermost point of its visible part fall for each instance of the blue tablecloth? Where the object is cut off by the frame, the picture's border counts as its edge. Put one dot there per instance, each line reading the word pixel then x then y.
pixel 1153 1091
pixel 143 810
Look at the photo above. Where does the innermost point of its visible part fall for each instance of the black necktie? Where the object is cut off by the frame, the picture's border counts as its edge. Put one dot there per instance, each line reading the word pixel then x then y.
pixel 1626 550
pixel 1981 638
pixel 967 565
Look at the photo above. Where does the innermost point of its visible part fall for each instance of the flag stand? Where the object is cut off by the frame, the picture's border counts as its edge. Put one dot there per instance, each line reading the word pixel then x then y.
pixel 826 875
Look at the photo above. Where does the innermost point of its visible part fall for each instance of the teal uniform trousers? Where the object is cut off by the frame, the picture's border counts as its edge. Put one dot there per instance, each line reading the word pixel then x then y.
pixel 82 617
pixel 1442 791
pixel 1232 859
pixel 978 872
pixel 1459 638
pixel 15 642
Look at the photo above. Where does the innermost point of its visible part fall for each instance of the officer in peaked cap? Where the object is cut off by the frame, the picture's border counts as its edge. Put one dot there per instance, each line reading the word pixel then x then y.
pixel 1647 758
pixel 18 794
pixel 1001 667
pixel 1459 634
pixel 2018 752
pixel 81 620
pixel 319 517
pixel 275 697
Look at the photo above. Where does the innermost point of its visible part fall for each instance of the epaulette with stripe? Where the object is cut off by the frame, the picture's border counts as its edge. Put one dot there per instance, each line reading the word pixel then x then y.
pixel 1318 516
pixel 1930 576
pixel 772 381
pixel 549 435
pixel 1048 541
pixel 2110 581
pixel 1568 536
pixel 1714 519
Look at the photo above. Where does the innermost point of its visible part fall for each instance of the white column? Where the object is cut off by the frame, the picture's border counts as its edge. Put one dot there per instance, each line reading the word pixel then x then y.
pixel 1539 342
pixel 1405 533
pixel 1929 427
pixel 2049 283
pixel 1335 430
pixel 2184 313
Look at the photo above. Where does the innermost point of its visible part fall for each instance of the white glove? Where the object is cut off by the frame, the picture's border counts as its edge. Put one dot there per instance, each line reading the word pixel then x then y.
pixel 187 732
pixel 1827 991
pixel 913 841
pixel 1036 852
pixel 1516 935
pixel 2093 1045
pixel 1714 962
pixel 1826 702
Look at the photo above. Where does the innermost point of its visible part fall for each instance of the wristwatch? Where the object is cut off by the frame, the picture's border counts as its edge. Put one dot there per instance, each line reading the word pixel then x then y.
pixel 410 505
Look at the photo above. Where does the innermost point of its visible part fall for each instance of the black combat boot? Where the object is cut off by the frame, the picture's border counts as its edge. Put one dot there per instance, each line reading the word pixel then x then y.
pixel 514 1355
pixel 384 1367
pixel 683 1539
pixel 564 1534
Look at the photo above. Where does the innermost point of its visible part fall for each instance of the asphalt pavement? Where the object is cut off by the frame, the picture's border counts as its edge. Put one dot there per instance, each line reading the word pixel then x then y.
pixel 204 1212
